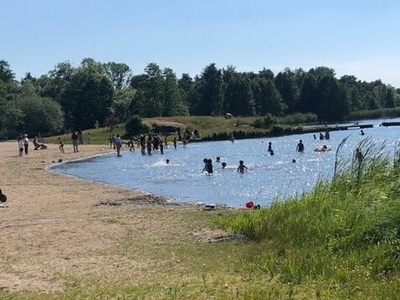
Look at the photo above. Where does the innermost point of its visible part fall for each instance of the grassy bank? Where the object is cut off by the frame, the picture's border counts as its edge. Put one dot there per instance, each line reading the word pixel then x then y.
pixel 210 128
pixel 343 239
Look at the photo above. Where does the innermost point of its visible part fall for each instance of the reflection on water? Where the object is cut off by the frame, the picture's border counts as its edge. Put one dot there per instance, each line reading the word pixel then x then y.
pixel 268 179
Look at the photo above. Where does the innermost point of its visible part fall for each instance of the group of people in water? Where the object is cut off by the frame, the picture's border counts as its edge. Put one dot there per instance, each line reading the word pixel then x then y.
pixel 208 166
pixel 151 143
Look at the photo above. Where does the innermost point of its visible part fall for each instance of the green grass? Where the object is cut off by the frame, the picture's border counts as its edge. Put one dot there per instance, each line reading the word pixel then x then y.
pixel 344 236
pixel 206 126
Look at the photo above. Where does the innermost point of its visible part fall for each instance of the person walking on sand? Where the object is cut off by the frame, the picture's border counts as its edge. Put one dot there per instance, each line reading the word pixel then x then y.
pixel 300 146
pixel 241 168
pixel 61 144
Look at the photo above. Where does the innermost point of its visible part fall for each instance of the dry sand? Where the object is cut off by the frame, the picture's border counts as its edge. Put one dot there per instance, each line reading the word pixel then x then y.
pixel 52 226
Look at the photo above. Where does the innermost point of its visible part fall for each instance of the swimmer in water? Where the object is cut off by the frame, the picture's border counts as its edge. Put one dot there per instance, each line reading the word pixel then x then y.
pixel 167 161
pixel 241 168
pixel 223 165
pixel 324 148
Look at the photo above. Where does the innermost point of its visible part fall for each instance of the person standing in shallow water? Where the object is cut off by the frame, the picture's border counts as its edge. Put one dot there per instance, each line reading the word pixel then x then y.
pixel 241 168
pixel 270 151
pixel 300 146
pixel 359 156
pixel 118 144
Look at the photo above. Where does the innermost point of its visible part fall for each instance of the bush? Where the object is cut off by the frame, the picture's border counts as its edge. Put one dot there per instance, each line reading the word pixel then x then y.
pixel 135 126
pixel 265 122
pixel 298 118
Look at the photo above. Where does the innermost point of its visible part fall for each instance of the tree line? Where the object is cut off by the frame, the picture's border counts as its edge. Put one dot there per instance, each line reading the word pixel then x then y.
pixel 70 97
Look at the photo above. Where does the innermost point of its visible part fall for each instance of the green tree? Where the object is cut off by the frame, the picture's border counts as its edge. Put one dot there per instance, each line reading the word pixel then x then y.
pixel 121 104
pixel 119 74
pixel 6 75
pixel 173 104
pixel 333 104
pixel 150 91
pixel 267 97
pixel 210 91
pixel 308 97
pixel 40 114
pixel 238 94
pixel 54 83
pixel 188 92
pixel 88 96
pixel 286 84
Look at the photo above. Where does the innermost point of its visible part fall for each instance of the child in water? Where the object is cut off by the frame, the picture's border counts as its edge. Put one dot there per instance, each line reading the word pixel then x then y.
pixel 241 168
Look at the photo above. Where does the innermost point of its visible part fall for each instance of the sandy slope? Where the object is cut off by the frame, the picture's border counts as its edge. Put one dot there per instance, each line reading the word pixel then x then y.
pixel 51 226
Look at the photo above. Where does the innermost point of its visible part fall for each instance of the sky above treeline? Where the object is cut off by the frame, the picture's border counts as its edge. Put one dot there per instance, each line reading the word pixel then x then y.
pixel 357 38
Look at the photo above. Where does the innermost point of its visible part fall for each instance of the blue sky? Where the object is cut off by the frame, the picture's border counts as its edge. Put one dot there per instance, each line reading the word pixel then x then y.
pixel 357 38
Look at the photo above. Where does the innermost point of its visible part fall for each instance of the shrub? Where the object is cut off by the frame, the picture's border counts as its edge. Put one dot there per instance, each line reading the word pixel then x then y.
pixel 135 126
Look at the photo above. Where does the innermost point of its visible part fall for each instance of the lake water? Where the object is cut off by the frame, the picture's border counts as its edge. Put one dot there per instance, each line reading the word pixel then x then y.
pixel 269 178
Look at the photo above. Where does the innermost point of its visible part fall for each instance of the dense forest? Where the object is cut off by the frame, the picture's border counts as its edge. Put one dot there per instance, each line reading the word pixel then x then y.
pixel 70 97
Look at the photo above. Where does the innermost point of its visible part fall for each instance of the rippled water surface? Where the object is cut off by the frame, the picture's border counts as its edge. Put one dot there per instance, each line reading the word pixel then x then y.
pixel 269 178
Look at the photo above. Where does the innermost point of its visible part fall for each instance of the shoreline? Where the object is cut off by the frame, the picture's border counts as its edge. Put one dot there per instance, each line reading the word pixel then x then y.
pixel 55 224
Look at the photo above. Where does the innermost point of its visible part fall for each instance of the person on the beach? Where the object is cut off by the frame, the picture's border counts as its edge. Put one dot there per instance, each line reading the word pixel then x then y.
pixel 300 146
pixel 110 141
pixel 80 137
pixel 241 168
pixel 61 144
pixel 21 145
pixel 74 138
pixel 26 143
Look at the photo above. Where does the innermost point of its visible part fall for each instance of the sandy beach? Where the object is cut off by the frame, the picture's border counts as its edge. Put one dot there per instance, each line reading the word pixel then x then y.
pixel 54 226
